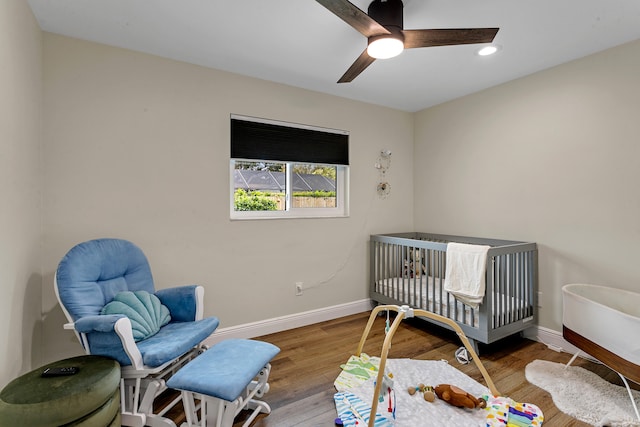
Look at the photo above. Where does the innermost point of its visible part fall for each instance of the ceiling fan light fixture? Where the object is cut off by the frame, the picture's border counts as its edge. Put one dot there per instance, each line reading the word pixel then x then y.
pixel 488 50
pixel 385 46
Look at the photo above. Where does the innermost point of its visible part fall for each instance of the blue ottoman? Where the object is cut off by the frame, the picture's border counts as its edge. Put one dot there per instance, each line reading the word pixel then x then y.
pixel 227 376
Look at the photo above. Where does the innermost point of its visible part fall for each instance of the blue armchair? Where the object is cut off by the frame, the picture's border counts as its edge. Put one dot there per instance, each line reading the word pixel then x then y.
pixel 106 291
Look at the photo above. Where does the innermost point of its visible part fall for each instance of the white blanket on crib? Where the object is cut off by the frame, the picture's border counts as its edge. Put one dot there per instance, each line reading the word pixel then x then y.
pixel 465 272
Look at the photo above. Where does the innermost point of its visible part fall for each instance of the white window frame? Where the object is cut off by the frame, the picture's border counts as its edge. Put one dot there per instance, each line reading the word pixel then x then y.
pixel 342 197
pixel 342 181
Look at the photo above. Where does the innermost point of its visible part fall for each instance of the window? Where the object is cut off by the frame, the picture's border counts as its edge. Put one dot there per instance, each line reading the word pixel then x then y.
pixel 282 170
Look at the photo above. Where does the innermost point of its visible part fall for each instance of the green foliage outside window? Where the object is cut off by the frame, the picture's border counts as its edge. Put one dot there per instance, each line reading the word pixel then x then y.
pixel 317 193
pixel 326 171
pixel 253 201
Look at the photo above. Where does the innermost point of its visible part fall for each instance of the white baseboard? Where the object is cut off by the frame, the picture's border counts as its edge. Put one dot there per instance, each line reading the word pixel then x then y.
pixel 283 323
pixel 549 337
pixel 553 340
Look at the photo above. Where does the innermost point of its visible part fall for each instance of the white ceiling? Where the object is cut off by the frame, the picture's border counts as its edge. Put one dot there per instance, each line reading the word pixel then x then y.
pixel 300 43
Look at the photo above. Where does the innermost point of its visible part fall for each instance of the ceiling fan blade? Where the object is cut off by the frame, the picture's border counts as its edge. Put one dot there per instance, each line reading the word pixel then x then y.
pixel 355 17
pixel 447 37
pixel 363 61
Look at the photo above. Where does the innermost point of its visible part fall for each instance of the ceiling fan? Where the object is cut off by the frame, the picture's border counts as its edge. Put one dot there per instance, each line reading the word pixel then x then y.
pixel 383 27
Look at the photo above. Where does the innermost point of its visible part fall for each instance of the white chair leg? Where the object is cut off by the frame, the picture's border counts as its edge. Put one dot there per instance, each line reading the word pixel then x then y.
pixel 158 421
pixel 575 356
pixel 128 417
pixel 633 401
pixel 133 420
pixel 146 403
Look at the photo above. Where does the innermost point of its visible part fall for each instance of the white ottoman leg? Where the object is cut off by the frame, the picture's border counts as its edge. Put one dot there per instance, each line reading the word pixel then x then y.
pixel 220 413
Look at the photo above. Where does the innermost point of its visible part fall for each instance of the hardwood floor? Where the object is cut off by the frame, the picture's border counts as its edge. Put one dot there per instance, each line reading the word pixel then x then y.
pixel 302 375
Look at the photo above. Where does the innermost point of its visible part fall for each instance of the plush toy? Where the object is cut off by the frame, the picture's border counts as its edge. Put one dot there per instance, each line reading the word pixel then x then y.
pixel 426 390
pixel 458 397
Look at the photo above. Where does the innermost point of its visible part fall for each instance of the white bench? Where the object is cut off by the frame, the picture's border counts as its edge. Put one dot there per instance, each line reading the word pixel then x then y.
pixel 226 378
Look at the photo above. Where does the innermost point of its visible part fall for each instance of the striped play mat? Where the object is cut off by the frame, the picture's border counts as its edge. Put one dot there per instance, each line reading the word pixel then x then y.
pixel 352 411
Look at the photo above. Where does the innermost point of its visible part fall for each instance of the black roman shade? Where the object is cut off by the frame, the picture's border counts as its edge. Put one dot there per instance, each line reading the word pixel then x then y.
pixel 257 140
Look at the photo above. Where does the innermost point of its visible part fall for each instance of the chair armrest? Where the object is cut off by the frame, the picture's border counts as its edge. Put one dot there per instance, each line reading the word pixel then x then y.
pixel 185 303
pixel 112 323
pixel 99 323
pixel 124 331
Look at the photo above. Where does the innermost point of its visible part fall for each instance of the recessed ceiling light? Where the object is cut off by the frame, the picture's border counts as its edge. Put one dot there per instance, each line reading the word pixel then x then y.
pixel 488 50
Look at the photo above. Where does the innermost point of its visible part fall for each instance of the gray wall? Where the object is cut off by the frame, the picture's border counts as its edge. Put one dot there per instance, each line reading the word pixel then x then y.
pixel 97 141
pixel 20 187
pixel 552 158
pixel 137 147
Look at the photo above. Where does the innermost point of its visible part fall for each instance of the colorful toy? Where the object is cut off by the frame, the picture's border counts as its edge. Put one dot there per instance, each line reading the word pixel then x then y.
pixel 505 412
pixel 457 397
pixel 387 397
pixel 426 390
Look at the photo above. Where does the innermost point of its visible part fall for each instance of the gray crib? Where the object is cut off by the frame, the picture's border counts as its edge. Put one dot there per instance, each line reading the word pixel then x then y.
pixel 409 268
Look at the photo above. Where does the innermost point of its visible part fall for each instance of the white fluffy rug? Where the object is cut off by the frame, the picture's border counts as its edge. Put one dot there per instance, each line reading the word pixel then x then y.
pixel 583 394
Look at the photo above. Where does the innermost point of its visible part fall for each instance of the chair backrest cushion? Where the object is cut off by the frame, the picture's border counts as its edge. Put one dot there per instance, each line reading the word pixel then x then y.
pixel 92 273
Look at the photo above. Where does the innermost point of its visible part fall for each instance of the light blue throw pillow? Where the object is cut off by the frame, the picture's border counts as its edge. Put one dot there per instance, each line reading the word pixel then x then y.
pixel 144 310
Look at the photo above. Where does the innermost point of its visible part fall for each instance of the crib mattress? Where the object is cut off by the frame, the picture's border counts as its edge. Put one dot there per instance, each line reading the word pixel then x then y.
pixel 424 292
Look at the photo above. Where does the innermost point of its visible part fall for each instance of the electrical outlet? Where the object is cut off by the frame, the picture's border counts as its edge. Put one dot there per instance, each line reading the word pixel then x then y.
pixel 539 299
pixel 298 288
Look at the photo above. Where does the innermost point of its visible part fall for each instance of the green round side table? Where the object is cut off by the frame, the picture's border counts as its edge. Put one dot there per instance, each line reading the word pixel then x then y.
pixel 88 398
